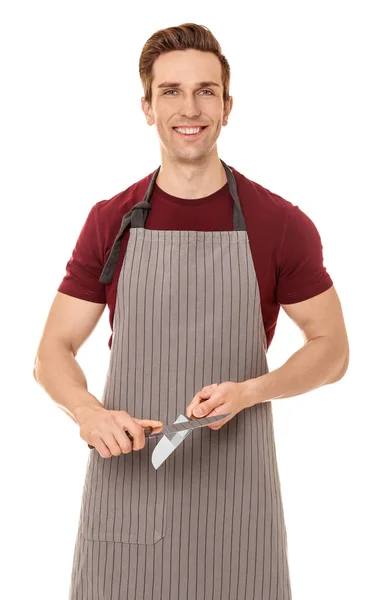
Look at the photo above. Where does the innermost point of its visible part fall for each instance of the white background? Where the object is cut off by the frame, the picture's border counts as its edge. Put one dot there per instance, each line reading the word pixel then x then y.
pixel 306 124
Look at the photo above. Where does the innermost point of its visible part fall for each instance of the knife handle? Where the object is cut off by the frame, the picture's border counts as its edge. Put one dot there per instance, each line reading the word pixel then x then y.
pixel 147 432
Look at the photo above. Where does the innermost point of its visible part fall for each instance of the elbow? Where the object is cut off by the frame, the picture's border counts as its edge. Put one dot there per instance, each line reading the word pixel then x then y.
pixel 344 366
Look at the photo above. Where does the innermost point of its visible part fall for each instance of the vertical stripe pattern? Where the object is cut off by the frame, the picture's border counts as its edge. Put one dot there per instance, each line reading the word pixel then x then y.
pixel 209 523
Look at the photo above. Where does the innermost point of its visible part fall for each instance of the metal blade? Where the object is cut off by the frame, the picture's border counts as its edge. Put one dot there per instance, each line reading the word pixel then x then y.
pixel 186 424
pixel 169 443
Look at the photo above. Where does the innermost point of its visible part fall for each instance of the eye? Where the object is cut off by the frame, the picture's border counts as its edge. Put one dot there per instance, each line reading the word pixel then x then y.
pixel 210 92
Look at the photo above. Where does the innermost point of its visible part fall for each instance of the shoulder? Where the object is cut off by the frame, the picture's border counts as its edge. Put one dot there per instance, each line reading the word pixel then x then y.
pixel 105 216
pixel 111 211
pixel 287 233
pixel 261 202
pixel 272 208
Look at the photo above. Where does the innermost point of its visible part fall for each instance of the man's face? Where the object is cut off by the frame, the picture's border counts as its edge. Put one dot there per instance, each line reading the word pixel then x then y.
pixel 187 104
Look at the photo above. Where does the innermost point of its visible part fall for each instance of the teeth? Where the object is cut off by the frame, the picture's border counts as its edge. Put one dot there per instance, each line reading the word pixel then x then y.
pixel 188 131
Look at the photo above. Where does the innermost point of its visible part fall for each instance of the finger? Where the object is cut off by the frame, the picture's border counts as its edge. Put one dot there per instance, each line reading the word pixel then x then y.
pixel 102 449
pixel 189 409
pixel 157 429
pixel 138 435
pixel 156 426
pixel 135 428
pixel 208 407
pixel 202 395
pixel 123 441
pixel 111 443
pixel 198 398
pixel 211 386
pixel 219 423
pixel 149 423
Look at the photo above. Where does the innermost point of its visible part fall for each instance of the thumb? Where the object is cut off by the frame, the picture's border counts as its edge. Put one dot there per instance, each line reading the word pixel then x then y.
pixel 206 407
pixel 149 423
pixel 206 392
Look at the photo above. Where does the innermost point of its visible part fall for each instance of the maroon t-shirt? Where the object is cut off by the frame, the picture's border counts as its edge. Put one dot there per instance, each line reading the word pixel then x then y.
pixel 285 244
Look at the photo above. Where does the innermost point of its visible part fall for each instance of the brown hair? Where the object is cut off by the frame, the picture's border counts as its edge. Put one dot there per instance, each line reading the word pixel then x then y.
pixel 188 35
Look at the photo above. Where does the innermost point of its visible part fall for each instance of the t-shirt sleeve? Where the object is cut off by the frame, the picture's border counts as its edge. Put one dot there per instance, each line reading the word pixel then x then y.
pixel 301 273
pixel 84 268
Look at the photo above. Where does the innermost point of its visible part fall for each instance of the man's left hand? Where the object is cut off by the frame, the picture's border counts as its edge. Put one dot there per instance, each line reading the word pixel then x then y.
pixel 227 397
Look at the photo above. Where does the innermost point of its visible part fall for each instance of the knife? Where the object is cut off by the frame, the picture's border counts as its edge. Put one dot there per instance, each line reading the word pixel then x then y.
pixel 181 425
pixel 185 426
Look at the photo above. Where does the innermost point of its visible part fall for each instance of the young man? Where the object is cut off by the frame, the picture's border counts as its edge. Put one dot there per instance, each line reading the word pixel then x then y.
pixel 194 262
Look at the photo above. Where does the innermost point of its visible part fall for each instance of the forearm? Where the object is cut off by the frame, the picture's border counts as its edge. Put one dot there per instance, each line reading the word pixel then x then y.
pixel 317 363
pixel 58 372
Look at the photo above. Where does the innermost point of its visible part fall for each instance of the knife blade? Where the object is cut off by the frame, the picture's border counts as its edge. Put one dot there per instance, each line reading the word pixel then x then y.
pixel 178 427
pixel 170 441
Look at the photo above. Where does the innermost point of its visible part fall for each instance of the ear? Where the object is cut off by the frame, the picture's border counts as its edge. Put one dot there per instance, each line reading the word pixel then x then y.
pixel 147 111
pixel 227 110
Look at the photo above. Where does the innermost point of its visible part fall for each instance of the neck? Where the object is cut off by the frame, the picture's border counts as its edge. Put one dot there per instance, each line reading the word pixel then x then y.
pixel 191 180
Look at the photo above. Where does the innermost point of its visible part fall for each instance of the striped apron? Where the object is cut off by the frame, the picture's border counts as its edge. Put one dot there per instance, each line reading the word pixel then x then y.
pixel 209 523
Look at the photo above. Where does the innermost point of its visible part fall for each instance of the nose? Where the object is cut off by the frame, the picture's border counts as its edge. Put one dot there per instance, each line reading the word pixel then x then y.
pixel 190 107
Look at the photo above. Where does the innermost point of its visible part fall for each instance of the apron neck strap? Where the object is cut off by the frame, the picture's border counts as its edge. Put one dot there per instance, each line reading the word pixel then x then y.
pixel 139 216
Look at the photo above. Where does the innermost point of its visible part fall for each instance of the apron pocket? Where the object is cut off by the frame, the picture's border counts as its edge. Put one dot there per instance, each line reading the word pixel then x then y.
pixel 125 498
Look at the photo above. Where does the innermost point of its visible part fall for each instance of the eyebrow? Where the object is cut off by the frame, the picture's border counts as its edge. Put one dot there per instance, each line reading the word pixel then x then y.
pixel 177 84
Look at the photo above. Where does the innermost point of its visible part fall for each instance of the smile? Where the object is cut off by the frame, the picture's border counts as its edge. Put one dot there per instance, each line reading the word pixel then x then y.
pixel 189 132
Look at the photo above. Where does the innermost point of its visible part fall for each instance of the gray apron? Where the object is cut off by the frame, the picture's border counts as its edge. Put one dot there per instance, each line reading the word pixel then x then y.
pixel 209 523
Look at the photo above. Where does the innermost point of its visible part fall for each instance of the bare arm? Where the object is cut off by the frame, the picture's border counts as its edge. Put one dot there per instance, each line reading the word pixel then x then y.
pixel 70 322
pixel 322 360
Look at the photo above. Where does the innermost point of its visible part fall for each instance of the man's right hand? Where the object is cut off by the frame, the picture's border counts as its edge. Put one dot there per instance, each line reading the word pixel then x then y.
pixel 106 430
